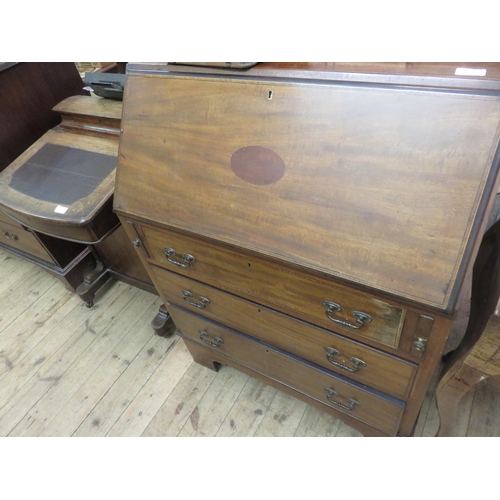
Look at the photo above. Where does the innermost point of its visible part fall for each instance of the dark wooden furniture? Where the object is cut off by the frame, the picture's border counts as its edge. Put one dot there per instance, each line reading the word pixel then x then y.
pixel 60 191
pixel 56 200
pixel 63 184
pixel 28 93
pixel 312 224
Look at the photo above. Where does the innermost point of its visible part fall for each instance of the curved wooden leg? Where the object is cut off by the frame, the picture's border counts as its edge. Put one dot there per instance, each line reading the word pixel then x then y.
pixel 92 281
pixel 453 386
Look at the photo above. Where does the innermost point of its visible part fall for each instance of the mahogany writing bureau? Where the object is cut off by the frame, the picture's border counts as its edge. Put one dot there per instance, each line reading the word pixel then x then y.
pixel 311 224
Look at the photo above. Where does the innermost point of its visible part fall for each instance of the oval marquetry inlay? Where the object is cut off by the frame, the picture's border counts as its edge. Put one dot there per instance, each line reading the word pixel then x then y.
pixel 257 165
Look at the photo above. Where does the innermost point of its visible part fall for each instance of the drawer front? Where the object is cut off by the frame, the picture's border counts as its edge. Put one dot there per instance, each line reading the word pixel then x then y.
pixel 5 218
pixel 311 298
pixel 17 237
pixel 370 407
pixel 369 366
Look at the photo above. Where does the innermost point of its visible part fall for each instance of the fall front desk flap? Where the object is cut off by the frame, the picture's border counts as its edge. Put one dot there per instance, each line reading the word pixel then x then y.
pixel 379 186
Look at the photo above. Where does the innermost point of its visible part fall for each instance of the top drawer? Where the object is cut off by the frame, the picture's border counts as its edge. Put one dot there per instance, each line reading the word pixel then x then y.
pixel 311 298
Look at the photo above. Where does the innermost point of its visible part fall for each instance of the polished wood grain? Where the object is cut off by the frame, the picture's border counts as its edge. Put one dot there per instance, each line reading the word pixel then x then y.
pixel 87 219
pixel 19 238
pixel 345 180
pixel 437 75
pixel 371 408
pixel 290 290
pixel 69 160
pixel 118 254
pixel 94 108
pixel 162 394
pixel 28 92
pixel 95 116
pixel 284 184
pixel 389 374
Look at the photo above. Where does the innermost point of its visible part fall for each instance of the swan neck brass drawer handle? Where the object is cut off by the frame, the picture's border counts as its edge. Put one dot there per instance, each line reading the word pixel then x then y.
pixel 361 317
pixel 357 363
pixel 352 403
pixel 203 336
pixel 187 259
pixel 186 295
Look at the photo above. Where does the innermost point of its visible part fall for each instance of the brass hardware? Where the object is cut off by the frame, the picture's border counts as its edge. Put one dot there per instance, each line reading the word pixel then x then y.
pixel 186 295
pixel 137 243
pixel 357 363
pixel 218 341
pixel 11 237
pixel 188 259
pixel 419 344
pixel 332 307
pixel 330 394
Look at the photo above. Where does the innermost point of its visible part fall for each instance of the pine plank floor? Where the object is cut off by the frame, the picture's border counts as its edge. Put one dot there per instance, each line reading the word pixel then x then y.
pixel 67 370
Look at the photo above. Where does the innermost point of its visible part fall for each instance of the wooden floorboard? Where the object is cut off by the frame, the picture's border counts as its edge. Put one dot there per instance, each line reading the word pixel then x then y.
pixel 68 370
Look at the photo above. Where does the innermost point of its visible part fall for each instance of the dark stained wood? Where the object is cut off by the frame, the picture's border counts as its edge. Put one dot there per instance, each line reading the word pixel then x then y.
pixel 90 116
pixel 214 361
pixel 418 74
pixel 428 365
pixel 28 93
pixel 162 323
pixel 21 239
pixel 71 270
pixel 387 179
pixel 71 166
pixel 258 165
pixel 372 408
pixel 87 161
pixel 341 175
pixel 293 292
pixel 119 255
pixel 421 336
pixel 381 371
pixel 66 260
